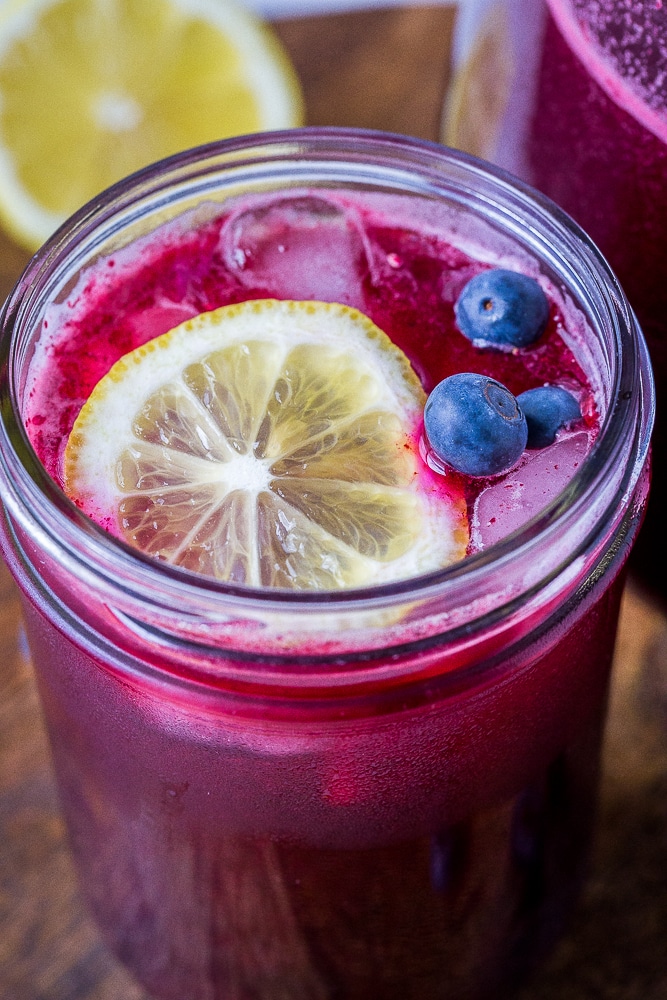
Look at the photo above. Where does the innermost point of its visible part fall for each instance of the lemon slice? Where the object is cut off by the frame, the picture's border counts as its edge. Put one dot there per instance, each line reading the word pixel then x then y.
pixel 480 91
pixel 271 443
pixel 91 90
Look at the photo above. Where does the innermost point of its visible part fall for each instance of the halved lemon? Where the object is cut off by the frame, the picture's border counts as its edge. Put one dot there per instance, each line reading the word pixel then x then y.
pixel 479 93
pixel 91 90
pixel 271 443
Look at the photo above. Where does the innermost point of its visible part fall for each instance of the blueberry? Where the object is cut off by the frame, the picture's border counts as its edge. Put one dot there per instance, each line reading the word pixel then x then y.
pixel 546 410
pixel 475 425
pixel 504 308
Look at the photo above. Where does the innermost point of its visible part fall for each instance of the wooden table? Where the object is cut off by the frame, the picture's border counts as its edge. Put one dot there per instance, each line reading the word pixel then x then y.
pixel 383 69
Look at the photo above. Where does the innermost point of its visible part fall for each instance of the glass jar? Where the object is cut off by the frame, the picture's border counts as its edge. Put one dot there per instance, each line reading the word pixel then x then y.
pixel 569 95
pixel 384 792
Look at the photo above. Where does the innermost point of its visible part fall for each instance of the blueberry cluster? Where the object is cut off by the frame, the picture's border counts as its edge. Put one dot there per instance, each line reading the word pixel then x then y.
pixel 473 423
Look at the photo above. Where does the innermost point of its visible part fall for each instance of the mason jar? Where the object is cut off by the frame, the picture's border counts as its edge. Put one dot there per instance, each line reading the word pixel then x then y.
pixel 569 95
pixel 382 792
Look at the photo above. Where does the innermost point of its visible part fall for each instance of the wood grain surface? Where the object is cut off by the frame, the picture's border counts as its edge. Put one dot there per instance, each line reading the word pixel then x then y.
pixel 382 69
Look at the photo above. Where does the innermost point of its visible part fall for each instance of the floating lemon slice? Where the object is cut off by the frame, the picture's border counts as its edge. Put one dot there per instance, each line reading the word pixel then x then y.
pixel 91 90
pixel 271 443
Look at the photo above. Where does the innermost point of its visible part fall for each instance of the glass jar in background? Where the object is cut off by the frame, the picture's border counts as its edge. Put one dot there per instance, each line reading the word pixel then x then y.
pixel 570 95
pixel 387 792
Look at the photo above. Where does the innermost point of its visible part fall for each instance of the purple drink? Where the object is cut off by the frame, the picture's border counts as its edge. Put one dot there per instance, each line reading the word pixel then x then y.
pixel 583 117
pixel 604 159
pixel 386 791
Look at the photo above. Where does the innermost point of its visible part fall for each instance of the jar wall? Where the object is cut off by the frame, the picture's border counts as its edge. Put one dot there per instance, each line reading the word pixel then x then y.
pixel 438 848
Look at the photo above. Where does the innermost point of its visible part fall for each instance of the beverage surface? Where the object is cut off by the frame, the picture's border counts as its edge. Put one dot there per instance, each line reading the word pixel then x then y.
pixel 390 259
pixel 632 37
pixel 623 44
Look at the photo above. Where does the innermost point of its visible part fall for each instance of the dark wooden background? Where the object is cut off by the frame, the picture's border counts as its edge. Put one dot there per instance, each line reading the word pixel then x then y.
pixel 378 69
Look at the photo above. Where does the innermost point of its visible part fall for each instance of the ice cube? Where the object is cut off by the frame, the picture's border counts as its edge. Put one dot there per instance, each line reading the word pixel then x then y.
pixel 300 247
pixel 511 501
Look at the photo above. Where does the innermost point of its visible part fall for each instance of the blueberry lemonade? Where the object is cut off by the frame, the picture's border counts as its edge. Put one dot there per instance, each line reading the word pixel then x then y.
pixel 601 85
pixel 323 455
pixel 570 96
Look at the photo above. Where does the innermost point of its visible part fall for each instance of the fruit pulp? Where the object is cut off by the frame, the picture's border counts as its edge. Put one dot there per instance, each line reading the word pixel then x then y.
pixel 597 144
pixel 425 842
